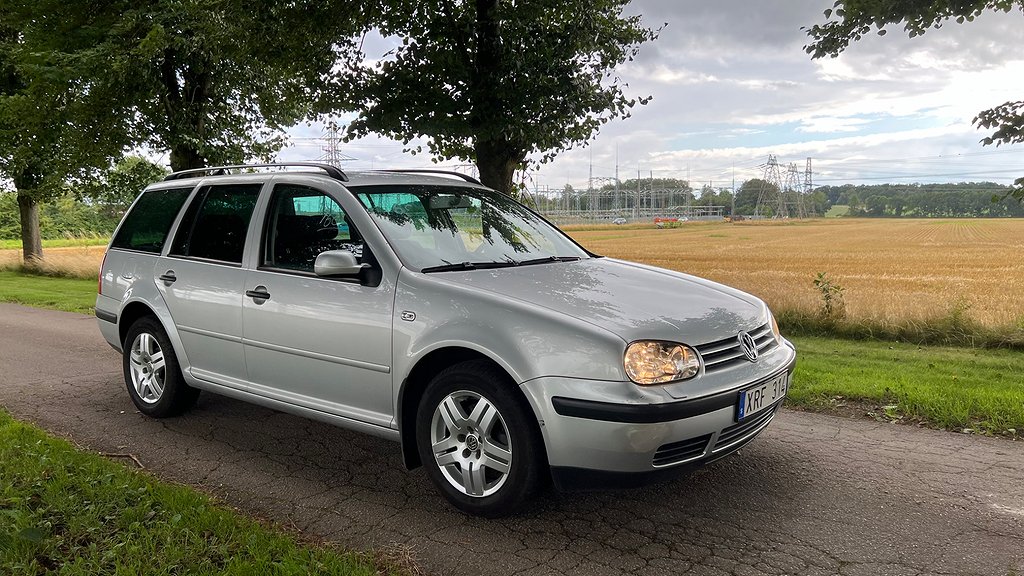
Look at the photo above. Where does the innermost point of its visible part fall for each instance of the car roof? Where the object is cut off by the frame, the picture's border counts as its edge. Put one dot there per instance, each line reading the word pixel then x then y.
pixel 327 172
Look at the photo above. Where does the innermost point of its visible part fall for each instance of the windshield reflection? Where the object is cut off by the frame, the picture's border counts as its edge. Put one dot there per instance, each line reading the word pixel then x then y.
pixel 441 228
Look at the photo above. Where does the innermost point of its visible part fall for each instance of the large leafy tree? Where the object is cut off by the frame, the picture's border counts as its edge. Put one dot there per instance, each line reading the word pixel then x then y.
pixel 210 80
pixel 850 20
pixel 750 192
pixel 494 81
pixel 53 128
pixel 207 81
pixel 113 191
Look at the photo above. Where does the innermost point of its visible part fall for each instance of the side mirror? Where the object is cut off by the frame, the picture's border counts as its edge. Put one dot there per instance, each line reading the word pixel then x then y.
pixel 337 263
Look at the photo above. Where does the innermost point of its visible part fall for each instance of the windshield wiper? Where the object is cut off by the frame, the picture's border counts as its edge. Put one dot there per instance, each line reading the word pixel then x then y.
pixel 468 266
pixel 548 259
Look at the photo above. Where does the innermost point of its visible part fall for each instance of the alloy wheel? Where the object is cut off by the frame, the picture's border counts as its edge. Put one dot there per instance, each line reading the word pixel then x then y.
pixel 148 369
pixel 471 444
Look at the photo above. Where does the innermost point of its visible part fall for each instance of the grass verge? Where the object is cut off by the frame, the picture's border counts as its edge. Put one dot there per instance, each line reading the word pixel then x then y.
pixel 952 328
pixel 77 513
pixel 953 388
pixel 70 294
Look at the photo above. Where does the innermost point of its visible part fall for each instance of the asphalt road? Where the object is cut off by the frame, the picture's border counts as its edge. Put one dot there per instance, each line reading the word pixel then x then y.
pixel 813 495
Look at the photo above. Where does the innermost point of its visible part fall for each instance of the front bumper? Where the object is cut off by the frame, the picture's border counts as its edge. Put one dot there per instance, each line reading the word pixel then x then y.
pixel 592 440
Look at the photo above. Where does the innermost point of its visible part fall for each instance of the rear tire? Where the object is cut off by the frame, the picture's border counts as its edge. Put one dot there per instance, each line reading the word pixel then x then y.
pixel 478 440
pixel 152 373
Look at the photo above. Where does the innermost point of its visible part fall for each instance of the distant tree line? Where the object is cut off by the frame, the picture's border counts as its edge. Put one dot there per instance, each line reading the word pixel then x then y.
pixel 91 208
pixel 962 200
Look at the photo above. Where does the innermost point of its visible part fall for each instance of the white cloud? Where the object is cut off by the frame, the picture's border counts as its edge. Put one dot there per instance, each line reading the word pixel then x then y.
pixel 731 84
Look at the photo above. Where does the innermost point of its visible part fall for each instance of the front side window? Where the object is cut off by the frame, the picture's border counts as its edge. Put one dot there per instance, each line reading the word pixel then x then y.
pixel 145 228
pixel 302 222
pixel 216 223
pixel 435 228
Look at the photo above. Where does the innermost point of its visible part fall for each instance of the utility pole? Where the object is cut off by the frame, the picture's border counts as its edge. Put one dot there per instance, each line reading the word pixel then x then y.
pixel 732 210
pixel 771 189
pixel 636 208
pixel 332 151
pixel 616 203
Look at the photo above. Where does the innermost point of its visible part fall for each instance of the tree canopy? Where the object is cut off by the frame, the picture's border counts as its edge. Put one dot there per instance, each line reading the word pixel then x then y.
pixel 208 81
pixel 962 200
pixel 850 20
pixel 494 81
pixel 53 127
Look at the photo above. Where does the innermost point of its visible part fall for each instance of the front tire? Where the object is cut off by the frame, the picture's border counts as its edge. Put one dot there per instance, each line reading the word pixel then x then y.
pixel 478 440
pixel 152 373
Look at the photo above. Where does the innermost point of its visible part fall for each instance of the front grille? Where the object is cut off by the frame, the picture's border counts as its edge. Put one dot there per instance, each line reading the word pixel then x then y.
pixel 726 352
pixel 680 451
pixel 740 431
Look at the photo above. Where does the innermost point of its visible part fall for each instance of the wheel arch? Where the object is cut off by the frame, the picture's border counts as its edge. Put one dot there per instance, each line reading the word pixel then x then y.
pixel 414 385
pixel 139 308
pixel 130 314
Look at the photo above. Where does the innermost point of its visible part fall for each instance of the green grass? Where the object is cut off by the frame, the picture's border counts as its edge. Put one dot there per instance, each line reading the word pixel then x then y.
pixel 59 242
pixel 952 388
pixel 70 294
pixel 67 511
pixel 952 328
pixel 837 211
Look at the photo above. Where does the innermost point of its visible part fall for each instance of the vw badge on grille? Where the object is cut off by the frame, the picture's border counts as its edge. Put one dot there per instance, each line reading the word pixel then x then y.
pixel 748 346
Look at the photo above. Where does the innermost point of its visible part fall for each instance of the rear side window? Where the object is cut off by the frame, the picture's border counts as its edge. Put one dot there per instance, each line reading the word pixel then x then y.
pixel 145 228
pixel 216 223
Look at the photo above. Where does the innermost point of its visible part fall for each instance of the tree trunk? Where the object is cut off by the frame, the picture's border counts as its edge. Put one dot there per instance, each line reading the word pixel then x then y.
pixel 495 159
pixel 185 157
pixel 31 241
pixel 184 98
pixel 497 165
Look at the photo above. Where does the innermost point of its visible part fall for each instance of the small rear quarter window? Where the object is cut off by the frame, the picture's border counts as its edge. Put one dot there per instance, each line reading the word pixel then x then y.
pixel 146 226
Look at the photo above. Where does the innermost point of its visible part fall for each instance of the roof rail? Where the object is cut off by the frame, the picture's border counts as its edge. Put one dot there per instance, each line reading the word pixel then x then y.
pixel 465 177
pixel 332 171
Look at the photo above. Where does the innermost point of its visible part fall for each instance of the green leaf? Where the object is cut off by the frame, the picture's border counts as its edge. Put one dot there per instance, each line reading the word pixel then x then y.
pixel 34 535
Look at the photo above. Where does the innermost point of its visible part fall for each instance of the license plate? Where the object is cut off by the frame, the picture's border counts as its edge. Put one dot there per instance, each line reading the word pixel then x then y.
pixel 762 396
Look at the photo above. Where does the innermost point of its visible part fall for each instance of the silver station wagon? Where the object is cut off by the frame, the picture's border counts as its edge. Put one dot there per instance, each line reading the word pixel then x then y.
pixel 428 309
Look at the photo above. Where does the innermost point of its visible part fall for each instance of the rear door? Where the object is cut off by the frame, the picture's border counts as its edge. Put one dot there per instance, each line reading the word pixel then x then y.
pixel 202 280
pixel 320 343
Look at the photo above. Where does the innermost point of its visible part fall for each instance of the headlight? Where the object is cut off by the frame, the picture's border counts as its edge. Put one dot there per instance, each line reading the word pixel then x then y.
pixel 652 362
pixel 775 328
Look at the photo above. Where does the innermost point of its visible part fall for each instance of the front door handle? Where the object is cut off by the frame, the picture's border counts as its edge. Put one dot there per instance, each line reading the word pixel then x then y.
pixel 259 295
pixel 168 277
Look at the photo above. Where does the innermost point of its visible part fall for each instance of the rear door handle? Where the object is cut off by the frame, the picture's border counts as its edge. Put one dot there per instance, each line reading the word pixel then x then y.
pixel 259 294
pixel 168 277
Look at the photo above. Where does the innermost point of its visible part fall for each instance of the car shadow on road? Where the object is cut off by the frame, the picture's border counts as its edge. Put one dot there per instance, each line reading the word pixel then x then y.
pixel 352 488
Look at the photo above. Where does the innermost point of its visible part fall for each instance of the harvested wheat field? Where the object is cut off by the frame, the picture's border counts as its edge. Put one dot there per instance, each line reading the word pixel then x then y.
pixel 71 261
pixel 892 271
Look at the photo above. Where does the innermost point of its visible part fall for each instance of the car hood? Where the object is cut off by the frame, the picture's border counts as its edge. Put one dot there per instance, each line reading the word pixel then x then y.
pixel 631 300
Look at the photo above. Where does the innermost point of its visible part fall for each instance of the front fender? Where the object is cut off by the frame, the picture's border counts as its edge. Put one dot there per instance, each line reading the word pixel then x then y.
pixel 526 340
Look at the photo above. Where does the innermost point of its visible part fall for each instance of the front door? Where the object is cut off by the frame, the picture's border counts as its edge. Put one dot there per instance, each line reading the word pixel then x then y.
pixel 320 343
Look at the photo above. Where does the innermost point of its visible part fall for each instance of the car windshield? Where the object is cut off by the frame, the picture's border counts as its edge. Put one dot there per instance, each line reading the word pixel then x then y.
pixel 440 228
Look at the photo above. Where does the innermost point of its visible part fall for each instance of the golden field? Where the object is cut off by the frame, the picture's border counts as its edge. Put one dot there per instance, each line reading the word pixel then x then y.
pixel 893 272
pixel 70 261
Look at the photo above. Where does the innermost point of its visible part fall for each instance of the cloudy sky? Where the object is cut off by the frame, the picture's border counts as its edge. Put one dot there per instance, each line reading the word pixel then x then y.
pixel 732 84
